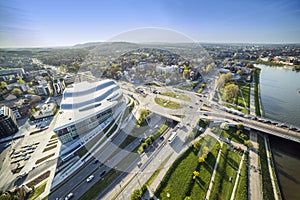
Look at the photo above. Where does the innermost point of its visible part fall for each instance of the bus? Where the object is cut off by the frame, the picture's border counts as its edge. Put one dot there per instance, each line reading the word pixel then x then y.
pixel 172 137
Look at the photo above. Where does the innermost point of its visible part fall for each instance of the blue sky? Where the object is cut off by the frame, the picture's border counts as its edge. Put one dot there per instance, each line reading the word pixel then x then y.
pixel 66 22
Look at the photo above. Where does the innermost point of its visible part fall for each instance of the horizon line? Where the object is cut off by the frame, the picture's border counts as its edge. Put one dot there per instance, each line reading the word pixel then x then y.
pixel 197 42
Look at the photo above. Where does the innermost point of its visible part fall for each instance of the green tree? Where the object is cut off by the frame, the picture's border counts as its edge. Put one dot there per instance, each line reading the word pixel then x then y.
pixel 3 84
pixel 208 68
pixel 31 91
pixel 152 138
pixel 240 126
pixel 144 146
pixel 196 174
pixel 16 91
pixel 231 91
pixel 239 72
pixel 205 150
pixel 201 159
pixel 248 143
pixel 148 141
pixel 20 79
pixel 136 195
pixel 197 145
pixel 185 72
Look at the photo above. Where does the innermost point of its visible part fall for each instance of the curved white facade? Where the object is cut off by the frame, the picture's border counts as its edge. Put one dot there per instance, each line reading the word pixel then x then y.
pixel 85 106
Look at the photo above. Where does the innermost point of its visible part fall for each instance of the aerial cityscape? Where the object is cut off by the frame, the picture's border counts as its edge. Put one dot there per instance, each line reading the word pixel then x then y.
pixel 152 105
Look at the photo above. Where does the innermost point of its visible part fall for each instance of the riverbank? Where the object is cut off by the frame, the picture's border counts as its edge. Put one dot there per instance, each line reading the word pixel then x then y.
pixel 257 99
pixel 286 162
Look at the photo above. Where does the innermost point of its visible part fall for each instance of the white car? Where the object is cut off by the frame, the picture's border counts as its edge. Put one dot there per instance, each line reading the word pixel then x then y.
pixel 90 178
pixel 69 196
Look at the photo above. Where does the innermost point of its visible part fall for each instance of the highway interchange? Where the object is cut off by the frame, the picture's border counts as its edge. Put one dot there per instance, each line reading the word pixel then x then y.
pixel 132 173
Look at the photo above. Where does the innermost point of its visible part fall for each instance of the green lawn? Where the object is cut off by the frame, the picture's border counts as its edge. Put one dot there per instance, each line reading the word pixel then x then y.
pixel 257 91
pixel 44 158
pixel 38 191
pixel 177 95
pixel 200 186
pixel 156 172
pixel 178 181
pixel 244 92
pixel 265 174
pixel 239 108
pixel 242 187
pixel 232 135
pixel 239 101
pixel 97 188
pixel 49 148
pixel 168 104
pixel 227 167
pixel 178 176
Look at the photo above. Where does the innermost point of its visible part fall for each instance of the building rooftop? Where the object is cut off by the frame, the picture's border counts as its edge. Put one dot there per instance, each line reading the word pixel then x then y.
pixel 86 99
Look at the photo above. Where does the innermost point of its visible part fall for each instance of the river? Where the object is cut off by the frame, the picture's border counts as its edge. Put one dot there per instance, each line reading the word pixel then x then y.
pixel 281 101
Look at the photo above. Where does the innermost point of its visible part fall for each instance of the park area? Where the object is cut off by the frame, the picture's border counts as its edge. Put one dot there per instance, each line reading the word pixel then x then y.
pixel 180 181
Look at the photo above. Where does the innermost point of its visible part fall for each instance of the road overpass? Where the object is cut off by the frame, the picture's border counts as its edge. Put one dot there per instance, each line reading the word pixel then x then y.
pixel 253 124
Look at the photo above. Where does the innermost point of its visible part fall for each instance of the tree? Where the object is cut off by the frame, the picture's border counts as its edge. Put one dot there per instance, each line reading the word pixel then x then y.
pixel 224 126
pixel 195 173
pixel 184 73
pixel 239 72
pixel 231 91
pixel 208 68
pixel 136 195
pixel 20 79
pixel 144 146
pixel 16 91
pixel 197 145
pixel 152 138
pixel 31 91
pixel 201 159
pixel 3 84
pixel 148 141
pixel 240 126
pixel 248 143
pixel 205 150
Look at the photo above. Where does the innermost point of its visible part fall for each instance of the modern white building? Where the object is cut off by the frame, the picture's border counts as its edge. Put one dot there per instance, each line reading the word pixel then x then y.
pixel 85 106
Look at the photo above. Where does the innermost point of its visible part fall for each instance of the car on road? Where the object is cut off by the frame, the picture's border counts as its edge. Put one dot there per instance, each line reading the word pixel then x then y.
pixel 102 173
pixel 89 178
pixel 141 140
pixel 69 196
pixel 139 164
pixel 95 161
pixel 205 114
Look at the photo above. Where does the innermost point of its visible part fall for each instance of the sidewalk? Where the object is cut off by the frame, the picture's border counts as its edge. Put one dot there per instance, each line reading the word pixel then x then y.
pixel 252 99
pixel 254 190
pixel 214 173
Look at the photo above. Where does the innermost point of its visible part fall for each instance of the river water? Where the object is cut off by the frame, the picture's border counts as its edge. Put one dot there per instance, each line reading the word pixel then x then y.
pixel 279 94
pixel 281 101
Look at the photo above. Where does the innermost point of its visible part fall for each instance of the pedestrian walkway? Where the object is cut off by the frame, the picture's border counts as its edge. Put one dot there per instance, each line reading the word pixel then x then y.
pixel 237 178
pixel 255 190
pixel 252 99
pixel 270 170
pixel 214 173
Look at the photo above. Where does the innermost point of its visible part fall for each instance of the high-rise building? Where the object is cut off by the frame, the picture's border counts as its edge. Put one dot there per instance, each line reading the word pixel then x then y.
pixel 8 122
